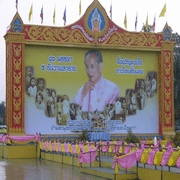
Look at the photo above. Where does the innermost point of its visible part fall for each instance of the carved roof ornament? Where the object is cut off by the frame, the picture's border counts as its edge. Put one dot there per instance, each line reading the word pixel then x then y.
pixel 17 24
pixel 167 33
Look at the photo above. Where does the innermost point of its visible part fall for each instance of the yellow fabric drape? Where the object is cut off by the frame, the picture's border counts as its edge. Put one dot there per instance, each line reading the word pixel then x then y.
pixel 116 168
pixel 163 143
pixel 86 149
pixel 17 142
pixel 40 145
pixel 144 156
pixel 56 146
pixel 158 158
pixel 70 148
pixel 121 149
pixel 173 158
pixel 50 146
pixel 62 148
pixel 77 149
pixel 46 145
pixel 133 148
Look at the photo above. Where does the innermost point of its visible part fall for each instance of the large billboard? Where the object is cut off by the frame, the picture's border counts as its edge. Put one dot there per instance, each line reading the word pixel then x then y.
pixel 72 89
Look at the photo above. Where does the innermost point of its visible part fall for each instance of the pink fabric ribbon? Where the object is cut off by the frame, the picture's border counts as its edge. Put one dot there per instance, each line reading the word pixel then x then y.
pixel 59 146
pixel 139 154
pixel 74 149
pixel 53 146
pixel 43 145
pixel 151 156
pixel 21 138
pixel 126 162
pixel 166 156
pixel 169 143
pixel 66 147
pixel 114 163
pixel 1 138
pixel 127 149
pixel 105 148
pixel 143 141
pixel 87 157
pixel 117 146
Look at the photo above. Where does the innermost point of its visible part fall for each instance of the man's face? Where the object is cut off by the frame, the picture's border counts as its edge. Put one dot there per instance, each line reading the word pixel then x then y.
pixel 93 69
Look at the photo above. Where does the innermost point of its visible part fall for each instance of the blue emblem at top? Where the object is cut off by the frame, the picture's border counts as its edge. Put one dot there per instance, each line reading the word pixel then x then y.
pixel 17 25
pixel 96 20
pixel 167 34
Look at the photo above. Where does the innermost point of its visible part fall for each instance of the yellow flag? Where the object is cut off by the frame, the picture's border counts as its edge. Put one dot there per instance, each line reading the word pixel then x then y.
pixel 80 7
pixel 54 16
pixel 125 21
pixel 147 22
pixel 30 12
pixel 163 11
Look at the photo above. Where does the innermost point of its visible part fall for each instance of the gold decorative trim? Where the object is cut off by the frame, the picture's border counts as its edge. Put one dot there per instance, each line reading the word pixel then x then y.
pixel 160 88
pixel 48 34
pixel 17 118
pixel 133 39
pixel 167 45
pixel 15 37
pixel 17 130
pixel 168 129
pixel 9 86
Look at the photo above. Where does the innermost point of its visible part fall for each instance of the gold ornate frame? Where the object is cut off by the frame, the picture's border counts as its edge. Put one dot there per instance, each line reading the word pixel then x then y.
pixel 111 37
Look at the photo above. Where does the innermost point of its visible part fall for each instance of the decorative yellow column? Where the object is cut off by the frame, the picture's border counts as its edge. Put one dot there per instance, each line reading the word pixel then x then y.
pixel 166 79
pixel 15 46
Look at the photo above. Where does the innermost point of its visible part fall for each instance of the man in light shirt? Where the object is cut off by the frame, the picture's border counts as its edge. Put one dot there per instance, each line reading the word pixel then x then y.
pixel 97 92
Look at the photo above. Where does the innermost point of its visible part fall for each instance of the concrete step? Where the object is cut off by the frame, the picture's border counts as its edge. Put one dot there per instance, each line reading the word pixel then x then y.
pixel 108 173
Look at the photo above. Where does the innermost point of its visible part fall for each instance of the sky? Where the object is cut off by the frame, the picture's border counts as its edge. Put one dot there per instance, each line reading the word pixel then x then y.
pixel 142 8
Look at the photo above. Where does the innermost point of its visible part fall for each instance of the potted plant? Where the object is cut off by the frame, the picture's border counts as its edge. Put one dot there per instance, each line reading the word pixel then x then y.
pixel 84 136
pixel 176 139
pixel 131 137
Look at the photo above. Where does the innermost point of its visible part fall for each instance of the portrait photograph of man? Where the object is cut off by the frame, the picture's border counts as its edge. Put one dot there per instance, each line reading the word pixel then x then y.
pixel 98 91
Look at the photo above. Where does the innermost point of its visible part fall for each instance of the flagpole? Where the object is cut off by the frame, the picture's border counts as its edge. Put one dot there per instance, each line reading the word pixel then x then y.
pixel 154 22
pixel 136 20
pixel 166 13
pixel 32 13
pixel 111 9
pixel 54 15
pixel 79 8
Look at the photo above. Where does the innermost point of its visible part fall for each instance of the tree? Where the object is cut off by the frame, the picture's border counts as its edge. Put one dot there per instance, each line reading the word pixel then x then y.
pixel 176 38
pixel 150 29
pixel 2 113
